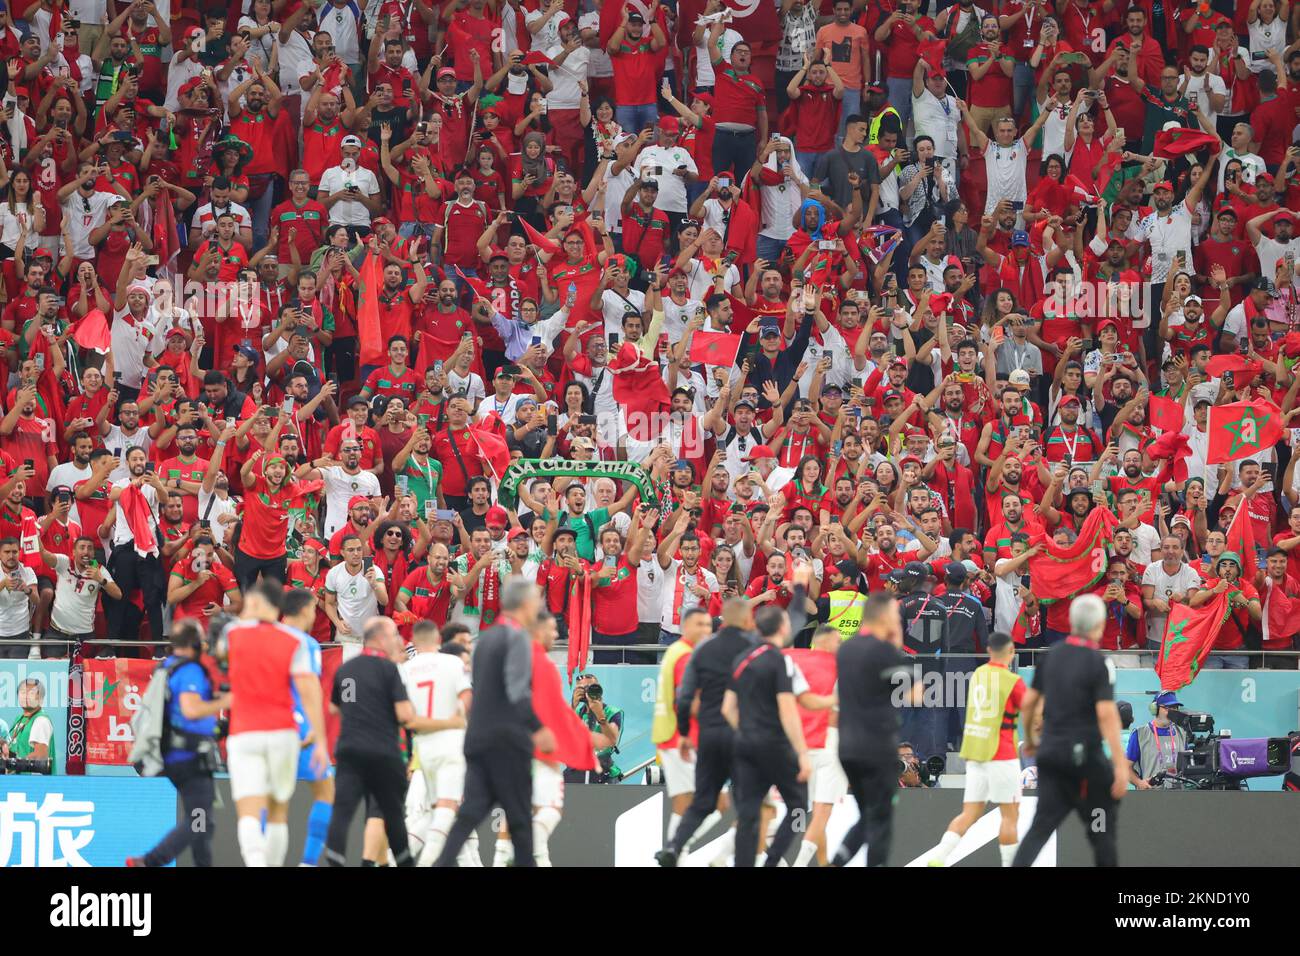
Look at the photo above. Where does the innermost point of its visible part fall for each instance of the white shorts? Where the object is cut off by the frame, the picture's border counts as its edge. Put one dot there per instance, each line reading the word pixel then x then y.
pixel 263 763
pixel 548 785
pixel 443 773
pixel 828 784
pixel 679 773
pixel 992 781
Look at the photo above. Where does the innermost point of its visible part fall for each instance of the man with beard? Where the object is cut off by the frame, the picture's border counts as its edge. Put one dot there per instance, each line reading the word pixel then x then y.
pixel 343 481
pixel 952 481
pixel 454 447
pixel 253 107
pixel 184 473
pixel 1002 433
pixel 1012 518
pixel 132 563
pixel 689 584
pixel 1279 621
pixel 360 523
pixel 1168 229
pixel 1193 331
pixel 741 438
pixel 1012 475
pixel 1068 441
pixel 427 592
pixel 269 496
pixel 1244 610
pixel 885 558
pixel 1131 478
pixel 1165 583
pixel 1074 509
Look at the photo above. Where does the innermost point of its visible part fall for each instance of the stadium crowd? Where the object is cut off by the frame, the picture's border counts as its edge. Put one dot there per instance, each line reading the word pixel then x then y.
pixel 655 306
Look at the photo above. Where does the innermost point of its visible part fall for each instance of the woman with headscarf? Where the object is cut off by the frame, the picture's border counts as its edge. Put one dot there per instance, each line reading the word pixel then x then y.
pixel 530 177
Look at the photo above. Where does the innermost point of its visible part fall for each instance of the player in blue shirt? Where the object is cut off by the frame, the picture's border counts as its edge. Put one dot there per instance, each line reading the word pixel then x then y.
pixel 298 614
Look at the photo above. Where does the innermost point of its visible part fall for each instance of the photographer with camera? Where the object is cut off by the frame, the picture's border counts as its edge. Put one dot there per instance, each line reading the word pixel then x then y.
pixel 188 747
pixel 602 719
pixel 31 738
pixel 909 767
pixel 1154 747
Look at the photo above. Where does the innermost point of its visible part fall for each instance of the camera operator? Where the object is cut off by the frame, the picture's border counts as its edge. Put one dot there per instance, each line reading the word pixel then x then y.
pixel 32 735
pixel 189 748
pixel 909 766
pixel 1154 747
pixel 602 719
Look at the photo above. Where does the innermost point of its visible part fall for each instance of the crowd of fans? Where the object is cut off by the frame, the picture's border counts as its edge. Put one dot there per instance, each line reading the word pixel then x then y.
pixel 888 290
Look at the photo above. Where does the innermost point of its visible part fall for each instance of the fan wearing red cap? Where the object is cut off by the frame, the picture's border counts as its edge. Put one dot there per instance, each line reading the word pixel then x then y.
pixel 360 519
pixel 308 574
pixel 1284 241
pixel 1170 233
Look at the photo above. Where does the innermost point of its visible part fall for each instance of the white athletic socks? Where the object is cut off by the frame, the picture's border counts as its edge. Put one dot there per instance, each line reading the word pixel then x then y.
pixel 545 820
pixel 436 835
pixel 707 824
pixel 504 853
pixel 945 847
pixel 469 854
pixel 1008 852
pixel 674 819
pixel 277 843
pixel 252 841
pixel 807 852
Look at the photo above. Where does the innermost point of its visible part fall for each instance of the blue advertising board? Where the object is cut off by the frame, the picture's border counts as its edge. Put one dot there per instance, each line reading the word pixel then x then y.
pixel 53 676
pixel 81 821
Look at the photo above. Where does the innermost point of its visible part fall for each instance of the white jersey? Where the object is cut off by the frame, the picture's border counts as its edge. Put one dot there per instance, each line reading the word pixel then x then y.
pixel 339 489
pixel 434 682
pixel 1163 585
pixel 76 597
pixel 1005 168
pixel 1169 235
pixel 357 601
pixel 676 598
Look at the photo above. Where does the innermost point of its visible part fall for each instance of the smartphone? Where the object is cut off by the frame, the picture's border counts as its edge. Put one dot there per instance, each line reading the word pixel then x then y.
pixel 423 420
pixel 826 245
pixel 835 519
pixel 445 514
pixel 333 378
pixel 39 359
pixel 205 524
pixel 29 463
pixel 1089 346
pixel 402 483
pixel 552 423
pixel 1269 469
pixel 724 182
pixel 287 406
pixel 437 366
pixel 837 448
pixel 586 419
pixel 613 341
pixel 150 467
pixel 117 378
pixel 1017 204
pixel 367 563
pixel 1229 379
pixel 537 340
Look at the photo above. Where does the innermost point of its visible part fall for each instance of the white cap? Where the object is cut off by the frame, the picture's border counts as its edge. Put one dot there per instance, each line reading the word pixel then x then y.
pixel 352 141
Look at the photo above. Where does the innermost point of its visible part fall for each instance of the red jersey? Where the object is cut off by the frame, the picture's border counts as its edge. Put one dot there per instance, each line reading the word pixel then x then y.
pixel 212 591
pixel 613 602
pixel 264 658
pixel 820 669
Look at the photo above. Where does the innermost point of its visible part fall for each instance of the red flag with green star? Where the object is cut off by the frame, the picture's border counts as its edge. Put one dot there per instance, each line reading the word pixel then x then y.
pixel 1189 636
pixel 1242 429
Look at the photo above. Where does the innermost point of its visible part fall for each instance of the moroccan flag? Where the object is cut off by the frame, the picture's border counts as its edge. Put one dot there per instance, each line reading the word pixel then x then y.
pixel 579 621
pixel 715 348
pixel 1243 370
pixel 1241 539
pixel 370 336
pixel 741 314
pixel 1165 413
pixel 166 241
pixel 1113 174
pixel 742 231
pixel 940 303
pixel 492 447
pixel 639 388
pixel 572 739
pixel 1079 192
pixel 1181 141
pixel 931 51
pixel 1189 635
pixel 537 58
pixel 1242 429
pixel 92 332
pixel 139 518
pixel 1059 573
pixel 478 285
pixel 539 240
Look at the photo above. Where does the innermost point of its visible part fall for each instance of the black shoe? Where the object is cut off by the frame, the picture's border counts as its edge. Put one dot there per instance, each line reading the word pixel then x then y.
pixel 666 857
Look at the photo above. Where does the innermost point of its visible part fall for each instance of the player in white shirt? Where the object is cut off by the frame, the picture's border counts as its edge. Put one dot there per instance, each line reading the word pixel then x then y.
pixel 439 688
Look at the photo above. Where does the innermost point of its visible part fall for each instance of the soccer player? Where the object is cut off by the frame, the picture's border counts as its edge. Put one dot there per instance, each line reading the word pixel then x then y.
pixel 439 689
pixel 298 614
pixel 266 660
pixel 990 747
pixel 827 785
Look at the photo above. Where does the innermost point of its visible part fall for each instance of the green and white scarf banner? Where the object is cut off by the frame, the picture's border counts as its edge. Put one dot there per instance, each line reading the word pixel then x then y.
pixel 526 469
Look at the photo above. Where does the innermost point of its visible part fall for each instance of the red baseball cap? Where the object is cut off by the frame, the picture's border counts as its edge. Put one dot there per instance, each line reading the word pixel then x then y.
pixel 516 533
pixel 759 452
pixel 357 500
pixel 1163 184
pixel 496 517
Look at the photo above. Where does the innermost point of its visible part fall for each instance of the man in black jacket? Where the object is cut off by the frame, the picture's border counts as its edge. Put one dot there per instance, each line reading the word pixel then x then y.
pixel 503 727
pixel 966 632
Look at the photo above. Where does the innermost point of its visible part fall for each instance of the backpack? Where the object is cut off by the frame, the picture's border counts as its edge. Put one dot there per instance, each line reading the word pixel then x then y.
pixel 150 724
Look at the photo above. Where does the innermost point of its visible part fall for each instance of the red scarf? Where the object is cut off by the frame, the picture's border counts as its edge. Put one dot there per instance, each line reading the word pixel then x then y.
pixel 579 614
pixel 572 739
